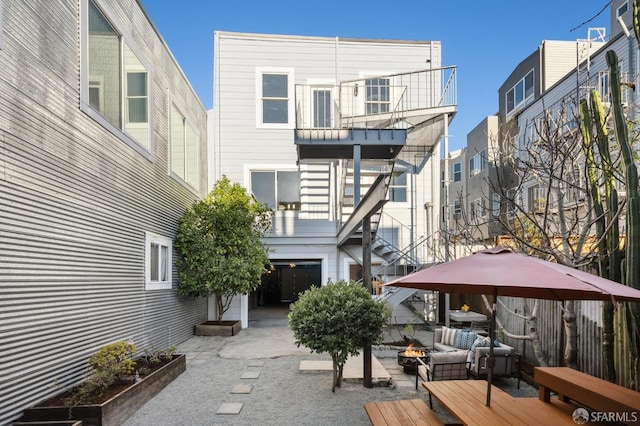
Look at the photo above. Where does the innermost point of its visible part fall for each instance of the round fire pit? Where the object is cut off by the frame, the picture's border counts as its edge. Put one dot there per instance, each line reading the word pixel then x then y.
pixel 407 359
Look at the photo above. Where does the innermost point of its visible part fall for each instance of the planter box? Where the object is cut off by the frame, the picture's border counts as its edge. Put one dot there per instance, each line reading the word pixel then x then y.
pixel 218 328
pixel 116 410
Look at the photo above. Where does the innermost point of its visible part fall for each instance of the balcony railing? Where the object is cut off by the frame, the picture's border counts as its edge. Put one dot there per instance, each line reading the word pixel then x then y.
pixel 395 101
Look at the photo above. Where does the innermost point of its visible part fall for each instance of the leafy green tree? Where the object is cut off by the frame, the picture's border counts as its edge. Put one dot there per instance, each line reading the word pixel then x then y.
pixel 219 246
pixel 339 318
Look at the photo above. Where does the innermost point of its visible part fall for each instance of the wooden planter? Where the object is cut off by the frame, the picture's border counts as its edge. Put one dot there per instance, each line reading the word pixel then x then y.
pixel 116 410
pixel 218 328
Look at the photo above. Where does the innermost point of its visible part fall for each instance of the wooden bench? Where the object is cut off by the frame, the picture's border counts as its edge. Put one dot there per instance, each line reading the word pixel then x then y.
pixel 592 392
pixel 400 413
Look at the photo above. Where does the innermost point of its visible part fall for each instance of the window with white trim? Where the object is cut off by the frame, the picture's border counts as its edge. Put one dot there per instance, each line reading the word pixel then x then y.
pixel 184 149
pixel 115 81
pixel 520 94
pixel 278 189
pixel 398 187
pixel 457 209
pixel 622 9
pixel 478 163
pixel 378 95
pixel 457 172
pixel 157 262
pixel 274 96
pixel 477 209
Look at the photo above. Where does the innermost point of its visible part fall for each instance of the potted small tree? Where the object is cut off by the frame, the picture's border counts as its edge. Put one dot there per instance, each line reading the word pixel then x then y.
pixel 220 251
pixel 340 319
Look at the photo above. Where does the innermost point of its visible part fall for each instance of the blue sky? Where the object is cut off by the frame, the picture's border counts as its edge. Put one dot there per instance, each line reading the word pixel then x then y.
pixel 486 40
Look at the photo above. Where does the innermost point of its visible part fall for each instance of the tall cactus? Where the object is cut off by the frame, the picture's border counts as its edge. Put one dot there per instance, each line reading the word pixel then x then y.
pixel 614 256
pixel 608 242
pixel 632 239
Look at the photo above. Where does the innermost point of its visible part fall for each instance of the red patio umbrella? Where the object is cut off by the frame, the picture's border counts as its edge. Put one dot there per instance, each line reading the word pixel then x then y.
pixel 501 272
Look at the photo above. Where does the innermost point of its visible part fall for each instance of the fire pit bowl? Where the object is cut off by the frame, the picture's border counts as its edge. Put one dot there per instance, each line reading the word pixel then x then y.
pixel 407 358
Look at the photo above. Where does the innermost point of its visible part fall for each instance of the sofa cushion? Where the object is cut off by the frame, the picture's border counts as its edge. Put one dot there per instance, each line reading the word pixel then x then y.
pixel 449 336
pixel 447 357
pixel 465 339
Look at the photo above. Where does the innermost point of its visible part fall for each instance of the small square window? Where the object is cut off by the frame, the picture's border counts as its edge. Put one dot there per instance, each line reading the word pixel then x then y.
pixel 157 262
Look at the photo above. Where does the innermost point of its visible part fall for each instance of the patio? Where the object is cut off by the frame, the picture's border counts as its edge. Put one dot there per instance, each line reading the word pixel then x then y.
pixel 256 374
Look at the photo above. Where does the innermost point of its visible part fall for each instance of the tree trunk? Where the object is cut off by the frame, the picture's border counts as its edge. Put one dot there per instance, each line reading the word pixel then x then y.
pixel 571 332
pixel 541 356
pixel 219 307
pixel 337 373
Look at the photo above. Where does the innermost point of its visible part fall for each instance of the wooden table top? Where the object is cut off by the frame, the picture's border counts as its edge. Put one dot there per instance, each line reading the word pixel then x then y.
pixel 466 399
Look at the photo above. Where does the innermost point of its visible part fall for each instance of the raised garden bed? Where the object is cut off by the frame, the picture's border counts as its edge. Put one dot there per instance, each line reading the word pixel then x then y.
pixel 218 328
pixel 120 401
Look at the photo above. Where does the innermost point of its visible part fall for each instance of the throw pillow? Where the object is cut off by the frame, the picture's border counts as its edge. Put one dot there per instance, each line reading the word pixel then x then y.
pixel 480 342
pixel 465 339
pixel 449 336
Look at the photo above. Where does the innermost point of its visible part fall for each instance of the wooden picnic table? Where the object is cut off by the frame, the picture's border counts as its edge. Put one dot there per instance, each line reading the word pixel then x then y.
pixel 590 391
pixel 466 400
pixel 409 412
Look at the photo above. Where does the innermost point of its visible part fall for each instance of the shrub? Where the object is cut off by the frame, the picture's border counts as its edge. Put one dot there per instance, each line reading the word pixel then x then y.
pixel 339 318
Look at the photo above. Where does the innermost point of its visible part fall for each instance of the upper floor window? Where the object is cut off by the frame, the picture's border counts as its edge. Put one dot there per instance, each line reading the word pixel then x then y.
pixel 157 262
pixel 398 187
pixel 476 209
pixel 184 149
pixel 378 97
pixel 278 189
pixel 478 163
pixel 457 209
pixel 275 98
pixel 622 9
pixel 457 172
pixel 115 81
pixel 520 94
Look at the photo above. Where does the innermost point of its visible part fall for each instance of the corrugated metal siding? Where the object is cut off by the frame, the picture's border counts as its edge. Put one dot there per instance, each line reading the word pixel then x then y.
pixel 75 202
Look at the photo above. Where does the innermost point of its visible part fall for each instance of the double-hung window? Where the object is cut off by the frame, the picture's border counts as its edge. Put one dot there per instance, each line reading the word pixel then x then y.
pixel 457 172
pixel 398 187
pixel 157 262
pixel 115 81
pixel 274 95
pixel 184 149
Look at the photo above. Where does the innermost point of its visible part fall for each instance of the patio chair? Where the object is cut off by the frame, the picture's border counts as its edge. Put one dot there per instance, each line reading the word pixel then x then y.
pixel 443 366
pixel 480 327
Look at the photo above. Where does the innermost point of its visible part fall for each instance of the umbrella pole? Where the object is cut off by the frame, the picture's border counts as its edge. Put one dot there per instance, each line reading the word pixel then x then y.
pixel 490 360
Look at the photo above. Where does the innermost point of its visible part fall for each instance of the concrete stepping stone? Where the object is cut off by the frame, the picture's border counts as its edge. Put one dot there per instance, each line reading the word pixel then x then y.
pixel 230 408
pixel 242 389
pixel 257 363
pixel 250 375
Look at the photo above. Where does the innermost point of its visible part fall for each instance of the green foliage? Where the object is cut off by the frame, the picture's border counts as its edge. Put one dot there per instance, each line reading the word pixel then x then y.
pixel 155 356
pixel 219 246
pixel 339 318
pixel 109 364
